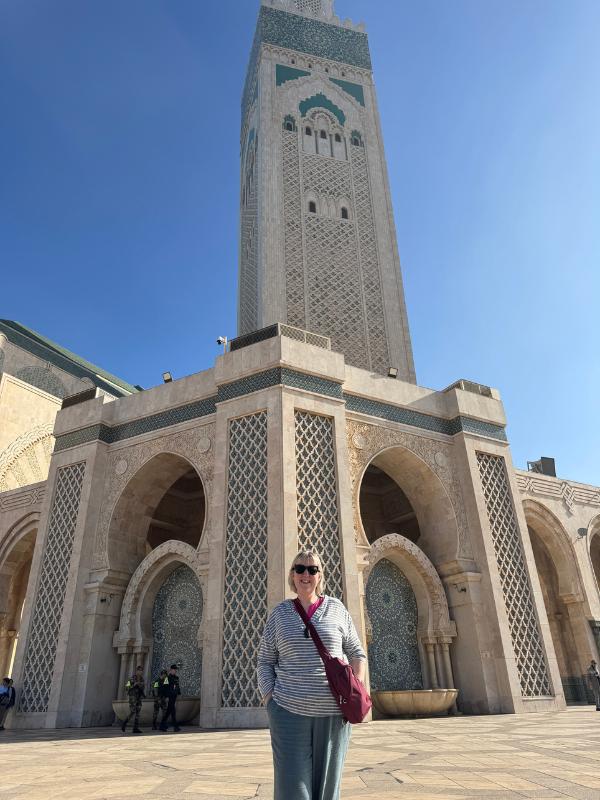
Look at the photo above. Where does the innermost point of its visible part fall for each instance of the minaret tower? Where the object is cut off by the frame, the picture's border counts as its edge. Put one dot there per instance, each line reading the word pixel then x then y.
pixel 318 244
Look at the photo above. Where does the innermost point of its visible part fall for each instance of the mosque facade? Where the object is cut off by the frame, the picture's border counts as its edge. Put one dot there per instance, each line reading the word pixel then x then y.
pixel 156 526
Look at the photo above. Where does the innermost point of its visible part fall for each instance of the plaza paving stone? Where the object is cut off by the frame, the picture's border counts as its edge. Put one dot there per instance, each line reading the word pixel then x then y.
pixel 506 757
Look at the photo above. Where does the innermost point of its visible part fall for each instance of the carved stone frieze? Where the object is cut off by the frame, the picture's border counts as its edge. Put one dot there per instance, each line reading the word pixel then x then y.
pixel 124 464
pixel 571 494
pixel 26 460
pixel 366 441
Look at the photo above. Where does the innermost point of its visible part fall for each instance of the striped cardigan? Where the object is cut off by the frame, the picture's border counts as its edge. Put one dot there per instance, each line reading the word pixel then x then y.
pixel 289 664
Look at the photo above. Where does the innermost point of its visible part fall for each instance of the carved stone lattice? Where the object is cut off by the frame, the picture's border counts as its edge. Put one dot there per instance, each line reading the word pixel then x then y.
pixel 49 602
pixel 249 241
pixel 294 260
pixel 514 578
pixel 245 592
pixel 176 619
pixel 316 484
pixel 366 441
pixel 327 176
pixel 190 444
pixel 369 262
pixel 335 304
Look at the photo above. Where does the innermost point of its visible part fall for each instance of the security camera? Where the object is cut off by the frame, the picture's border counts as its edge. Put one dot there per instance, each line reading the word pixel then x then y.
pixel 222 340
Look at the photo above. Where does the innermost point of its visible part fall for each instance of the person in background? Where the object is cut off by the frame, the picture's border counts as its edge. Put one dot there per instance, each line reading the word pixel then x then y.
pixel 593 677
pixel 135 692
pixel 160 698
pixel 7 700
pixel 309 735
pixel 173 691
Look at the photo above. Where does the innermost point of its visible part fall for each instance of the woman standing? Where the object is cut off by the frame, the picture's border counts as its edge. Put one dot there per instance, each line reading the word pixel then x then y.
pixel 309 735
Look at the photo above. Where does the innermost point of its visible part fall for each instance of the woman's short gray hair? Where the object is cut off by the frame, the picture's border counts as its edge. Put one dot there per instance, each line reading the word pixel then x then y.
pixel 308 555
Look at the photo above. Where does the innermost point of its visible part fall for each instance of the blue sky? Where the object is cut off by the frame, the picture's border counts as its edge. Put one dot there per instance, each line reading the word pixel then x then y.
pixel 119 146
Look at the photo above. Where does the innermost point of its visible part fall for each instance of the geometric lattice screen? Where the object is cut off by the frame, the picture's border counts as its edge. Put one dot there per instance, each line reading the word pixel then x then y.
pixel 52 586
pixel 514 578
pixel 176 619
pixel 316 489
pixel 245 595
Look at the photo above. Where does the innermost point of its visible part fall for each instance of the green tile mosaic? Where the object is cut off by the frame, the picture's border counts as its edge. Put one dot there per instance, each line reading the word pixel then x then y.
pixel 406 416
pixel 321 101
pixel 314 37
pixel 355 90
pixel 305 35
pixel 283 74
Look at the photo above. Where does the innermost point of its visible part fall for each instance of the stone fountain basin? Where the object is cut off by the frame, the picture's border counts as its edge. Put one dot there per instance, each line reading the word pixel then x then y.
pixel 420 702
pixel 187 709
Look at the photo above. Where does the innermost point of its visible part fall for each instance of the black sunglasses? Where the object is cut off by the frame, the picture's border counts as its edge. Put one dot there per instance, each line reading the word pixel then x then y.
pixel 299 569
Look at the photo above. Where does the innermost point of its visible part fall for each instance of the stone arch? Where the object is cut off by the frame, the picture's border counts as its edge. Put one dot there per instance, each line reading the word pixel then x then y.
pixel 134 638
pixel 565 601
pixel 146 581
pixel 593 530
pixel 435 629
pixel 556 540
pixel 132 516
pixel 16 555
pixel 439 535
pixel 434 616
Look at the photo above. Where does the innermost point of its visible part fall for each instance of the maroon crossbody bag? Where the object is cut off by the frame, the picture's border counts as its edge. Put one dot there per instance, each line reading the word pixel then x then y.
pixel 348 692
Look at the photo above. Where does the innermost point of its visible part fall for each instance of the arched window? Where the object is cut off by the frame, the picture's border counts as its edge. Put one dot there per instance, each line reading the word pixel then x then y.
pixel 344 212
pixel 308 131
pixel 338 138
pixel 323 134
pixel 312 207
pixel 356 141
pixel 289 124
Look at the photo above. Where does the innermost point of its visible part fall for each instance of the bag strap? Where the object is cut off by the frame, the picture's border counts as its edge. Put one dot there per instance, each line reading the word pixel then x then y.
pixel 323 651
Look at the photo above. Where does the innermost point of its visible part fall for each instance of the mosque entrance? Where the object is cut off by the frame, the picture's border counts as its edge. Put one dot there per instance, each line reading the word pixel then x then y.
pixel 155 534
pixel 568 615
pixel 409 631
pixel 559 619
pixel 15 566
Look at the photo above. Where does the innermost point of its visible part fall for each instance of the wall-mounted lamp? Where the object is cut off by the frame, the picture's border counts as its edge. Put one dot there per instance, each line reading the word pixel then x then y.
pixel 392 372
pixel 167 377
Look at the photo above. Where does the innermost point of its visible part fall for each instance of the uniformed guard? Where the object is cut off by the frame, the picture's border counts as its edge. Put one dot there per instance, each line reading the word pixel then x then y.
pixel 159 694
pixel 173 691
pixel 135 692
pixel 593 677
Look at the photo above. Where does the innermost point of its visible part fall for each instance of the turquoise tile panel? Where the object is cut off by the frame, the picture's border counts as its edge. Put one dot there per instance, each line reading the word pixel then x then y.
pixel 355 90
pixel 321 101
pixel 283 74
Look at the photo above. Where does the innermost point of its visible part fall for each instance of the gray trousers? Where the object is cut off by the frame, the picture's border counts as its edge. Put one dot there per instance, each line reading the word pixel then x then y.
pixel 308 754
pixel 595 687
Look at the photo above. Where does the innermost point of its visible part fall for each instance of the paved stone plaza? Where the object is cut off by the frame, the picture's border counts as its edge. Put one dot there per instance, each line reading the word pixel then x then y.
pixel 550 755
